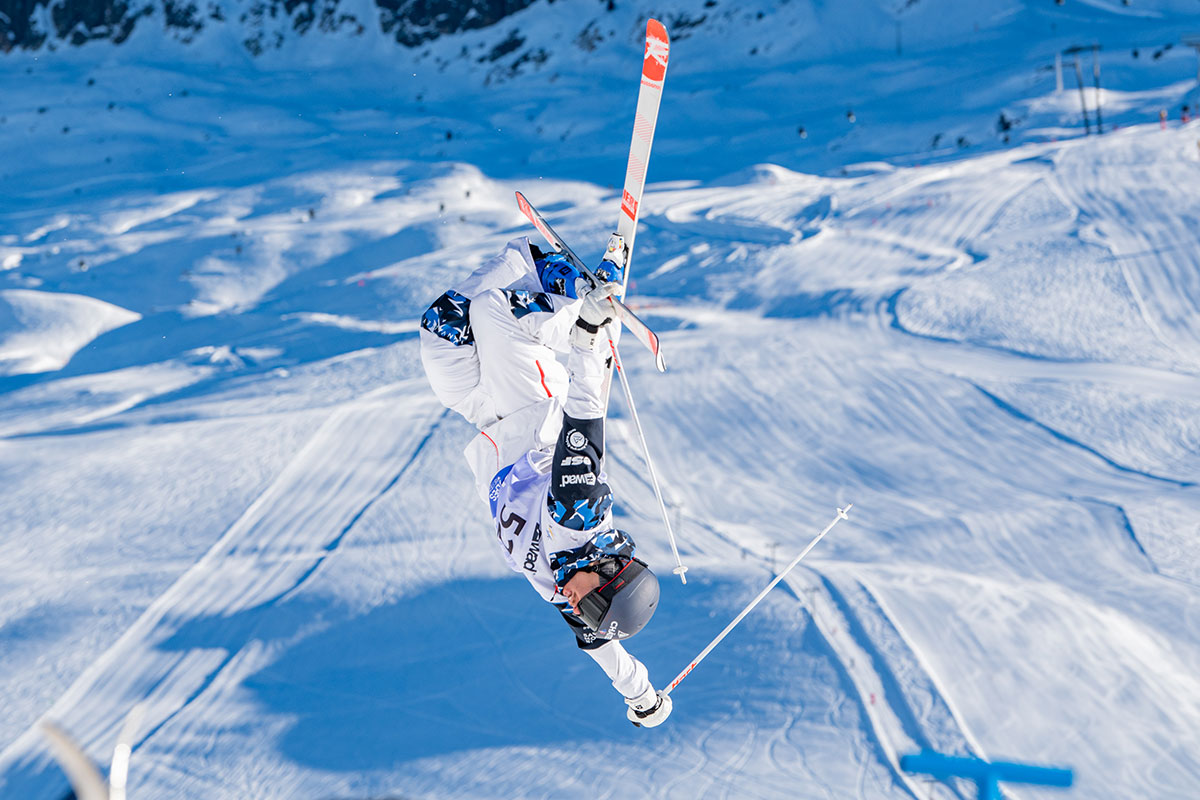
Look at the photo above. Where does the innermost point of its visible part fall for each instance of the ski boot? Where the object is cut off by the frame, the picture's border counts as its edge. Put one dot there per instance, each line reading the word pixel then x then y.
pixel 612 266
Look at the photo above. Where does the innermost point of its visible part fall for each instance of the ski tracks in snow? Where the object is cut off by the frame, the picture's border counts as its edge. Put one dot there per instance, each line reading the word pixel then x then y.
pixel 901 699
pixel 1119 181
pixel 936 221
pixel 361 452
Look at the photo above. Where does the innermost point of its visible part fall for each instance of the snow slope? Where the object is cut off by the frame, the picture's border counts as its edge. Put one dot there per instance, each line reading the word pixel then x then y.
pixel 230 495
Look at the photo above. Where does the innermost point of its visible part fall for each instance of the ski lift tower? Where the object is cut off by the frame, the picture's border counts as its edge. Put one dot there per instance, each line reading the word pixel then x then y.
pixel 1075 51
pixel 1193 41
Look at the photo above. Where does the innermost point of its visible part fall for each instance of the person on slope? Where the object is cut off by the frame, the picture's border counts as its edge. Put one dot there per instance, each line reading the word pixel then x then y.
pixel 489 349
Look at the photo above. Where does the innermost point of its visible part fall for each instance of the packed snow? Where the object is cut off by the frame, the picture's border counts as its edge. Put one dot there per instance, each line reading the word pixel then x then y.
pixel 231 498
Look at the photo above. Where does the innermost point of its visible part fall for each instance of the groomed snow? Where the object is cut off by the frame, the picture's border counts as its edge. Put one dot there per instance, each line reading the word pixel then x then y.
pixel 231 497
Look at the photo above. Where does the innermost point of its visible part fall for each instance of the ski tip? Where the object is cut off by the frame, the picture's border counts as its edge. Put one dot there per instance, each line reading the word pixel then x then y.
pixel 657 30
pixel 118 774
pixel 83 775
pixel 658 52
pixel 662 367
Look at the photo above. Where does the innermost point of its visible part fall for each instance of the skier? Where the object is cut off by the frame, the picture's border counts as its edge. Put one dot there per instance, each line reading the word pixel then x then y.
pixel 489 349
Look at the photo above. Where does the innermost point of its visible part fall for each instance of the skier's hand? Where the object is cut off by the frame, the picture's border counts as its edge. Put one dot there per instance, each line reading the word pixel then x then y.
pixel 582 583
pixel 594 313
pixel 596 310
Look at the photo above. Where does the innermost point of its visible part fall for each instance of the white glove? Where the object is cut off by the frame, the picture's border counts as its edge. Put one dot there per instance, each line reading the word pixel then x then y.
pixel 595 311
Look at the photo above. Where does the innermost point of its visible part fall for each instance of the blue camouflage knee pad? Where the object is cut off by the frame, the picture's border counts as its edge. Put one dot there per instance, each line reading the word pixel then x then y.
pixel 449 318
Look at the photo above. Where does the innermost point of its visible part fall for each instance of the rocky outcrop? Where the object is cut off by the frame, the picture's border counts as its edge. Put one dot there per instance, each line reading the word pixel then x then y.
pixel 412 22
pixel 34 24
pixel 30 24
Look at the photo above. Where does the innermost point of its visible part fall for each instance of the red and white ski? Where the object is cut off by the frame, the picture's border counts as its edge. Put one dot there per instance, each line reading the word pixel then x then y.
pixel 620 245
pixel 639 329
pixel 654 73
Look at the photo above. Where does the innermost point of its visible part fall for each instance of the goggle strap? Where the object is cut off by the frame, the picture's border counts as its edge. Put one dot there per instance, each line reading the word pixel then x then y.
pixel 614 577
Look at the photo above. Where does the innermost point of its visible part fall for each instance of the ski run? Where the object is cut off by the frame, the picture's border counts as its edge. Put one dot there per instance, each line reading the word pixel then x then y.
pixel 242 544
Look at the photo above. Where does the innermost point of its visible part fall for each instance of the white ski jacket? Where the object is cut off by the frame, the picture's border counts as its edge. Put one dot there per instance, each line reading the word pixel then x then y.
pixel 551 505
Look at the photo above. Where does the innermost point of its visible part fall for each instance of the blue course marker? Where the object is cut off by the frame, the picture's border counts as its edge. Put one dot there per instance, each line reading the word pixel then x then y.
pixel 986 774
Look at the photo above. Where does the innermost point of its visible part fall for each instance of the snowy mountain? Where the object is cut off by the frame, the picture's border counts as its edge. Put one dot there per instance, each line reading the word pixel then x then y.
pixel 231 497
pixel 811 87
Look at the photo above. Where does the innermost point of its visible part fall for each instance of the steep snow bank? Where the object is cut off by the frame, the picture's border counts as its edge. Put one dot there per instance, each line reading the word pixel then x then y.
pixel 40 331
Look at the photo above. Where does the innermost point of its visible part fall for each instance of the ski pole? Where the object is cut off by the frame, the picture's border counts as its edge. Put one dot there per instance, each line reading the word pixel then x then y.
pixel 680 569
pixel 841 514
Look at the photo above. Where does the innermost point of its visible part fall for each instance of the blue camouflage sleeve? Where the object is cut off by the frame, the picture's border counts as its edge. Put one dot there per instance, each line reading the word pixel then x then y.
pixel 578 497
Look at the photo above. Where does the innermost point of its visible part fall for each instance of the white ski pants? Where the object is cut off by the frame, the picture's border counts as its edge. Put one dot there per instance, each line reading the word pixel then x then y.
pixel 628 675
pixel 511 363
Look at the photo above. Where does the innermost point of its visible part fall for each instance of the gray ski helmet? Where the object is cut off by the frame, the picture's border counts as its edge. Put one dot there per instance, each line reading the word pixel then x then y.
pixel 625 600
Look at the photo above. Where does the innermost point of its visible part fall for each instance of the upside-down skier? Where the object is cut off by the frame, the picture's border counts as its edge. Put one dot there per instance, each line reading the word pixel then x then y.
pixel 489 349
